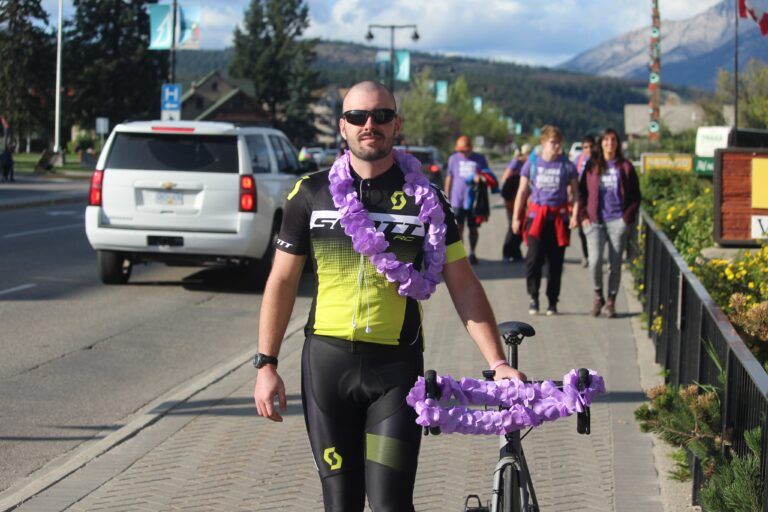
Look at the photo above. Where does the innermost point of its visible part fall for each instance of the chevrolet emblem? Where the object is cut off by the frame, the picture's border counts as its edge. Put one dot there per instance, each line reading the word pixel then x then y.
pixel 168 185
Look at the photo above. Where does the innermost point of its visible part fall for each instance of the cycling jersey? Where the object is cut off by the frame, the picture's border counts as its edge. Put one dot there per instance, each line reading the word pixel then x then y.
pixel 352 300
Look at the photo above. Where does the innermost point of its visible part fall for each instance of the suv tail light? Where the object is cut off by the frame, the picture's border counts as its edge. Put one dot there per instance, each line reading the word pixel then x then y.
pixel 247 194
pixel 94 194
pixel 434 168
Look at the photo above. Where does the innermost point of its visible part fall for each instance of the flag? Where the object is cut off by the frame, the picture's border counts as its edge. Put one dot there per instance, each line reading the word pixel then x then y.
pixel 382 65
pixel 757 10
pixel 477 103
pixel 191 17
pixel 160 24
pixel 403 65
pixel 441 91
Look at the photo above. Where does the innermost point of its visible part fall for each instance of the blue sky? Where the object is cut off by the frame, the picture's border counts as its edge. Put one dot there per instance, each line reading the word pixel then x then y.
pixel 526 31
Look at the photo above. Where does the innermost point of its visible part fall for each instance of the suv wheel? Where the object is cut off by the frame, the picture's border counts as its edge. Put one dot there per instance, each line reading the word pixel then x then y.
pixel 114 267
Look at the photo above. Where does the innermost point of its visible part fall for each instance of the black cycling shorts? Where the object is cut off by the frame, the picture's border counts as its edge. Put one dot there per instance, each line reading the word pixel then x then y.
pixel 363 435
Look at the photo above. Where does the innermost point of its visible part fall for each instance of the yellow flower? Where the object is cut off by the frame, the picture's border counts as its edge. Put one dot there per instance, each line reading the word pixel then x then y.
pixel 751 285
pixel 669 216
pixel 641 287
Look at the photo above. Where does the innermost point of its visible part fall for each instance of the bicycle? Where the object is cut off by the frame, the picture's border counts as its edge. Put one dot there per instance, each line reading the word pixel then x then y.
pixel 513 489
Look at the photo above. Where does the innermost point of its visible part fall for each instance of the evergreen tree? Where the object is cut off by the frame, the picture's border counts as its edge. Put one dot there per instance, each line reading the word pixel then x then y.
pixel 423 117
pixel 270 54
pixel 27 67
pixel 110 71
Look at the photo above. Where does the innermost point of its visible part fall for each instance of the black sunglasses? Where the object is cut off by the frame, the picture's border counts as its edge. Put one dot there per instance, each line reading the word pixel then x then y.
pixel 360 117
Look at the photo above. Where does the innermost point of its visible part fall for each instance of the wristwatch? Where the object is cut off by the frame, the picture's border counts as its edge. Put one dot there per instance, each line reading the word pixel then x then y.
pixel 262 359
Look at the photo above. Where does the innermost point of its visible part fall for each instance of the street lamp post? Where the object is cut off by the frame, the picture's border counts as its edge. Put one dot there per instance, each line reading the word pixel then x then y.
pixel 57 113
pixel 392 28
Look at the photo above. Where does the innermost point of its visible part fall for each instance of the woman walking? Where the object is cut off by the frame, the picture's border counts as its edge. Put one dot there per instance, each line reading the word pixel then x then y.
pixel 609 197
pixel 546 179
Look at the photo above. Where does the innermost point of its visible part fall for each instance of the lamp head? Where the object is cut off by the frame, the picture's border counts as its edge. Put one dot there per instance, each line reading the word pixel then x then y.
pixel 415 36
pixel 369 35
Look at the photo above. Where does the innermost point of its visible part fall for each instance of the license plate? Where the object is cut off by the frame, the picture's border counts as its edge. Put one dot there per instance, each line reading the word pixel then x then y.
pixel 170 198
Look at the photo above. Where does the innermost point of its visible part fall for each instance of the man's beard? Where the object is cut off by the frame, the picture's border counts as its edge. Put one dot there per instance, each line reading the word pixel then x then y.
pixel 368 153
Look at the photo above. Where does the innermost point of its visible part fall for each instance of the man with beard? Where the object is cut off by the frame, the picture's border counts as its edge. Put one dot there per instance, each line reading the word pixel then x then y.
pixel 380 237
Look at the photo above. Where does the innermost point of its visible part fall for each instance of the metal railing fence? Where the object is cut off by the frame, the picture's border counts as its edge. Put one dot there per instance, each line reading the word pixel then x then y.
pixel 690 320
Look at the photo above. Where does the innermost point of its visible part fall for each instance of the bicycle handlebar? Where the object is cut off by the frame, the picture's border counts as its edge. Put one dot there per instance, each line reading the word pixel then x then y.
pixel 583 419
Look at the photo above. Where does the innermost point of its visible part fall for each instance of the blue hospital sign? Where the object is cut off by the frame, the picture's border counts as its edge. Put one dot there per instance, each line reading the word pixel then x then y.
pixel 170 102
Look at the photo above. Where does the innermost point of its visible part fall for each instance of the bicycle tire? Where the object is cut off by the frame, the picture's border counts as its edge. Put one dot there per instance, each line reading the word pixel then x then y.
pixel 510 498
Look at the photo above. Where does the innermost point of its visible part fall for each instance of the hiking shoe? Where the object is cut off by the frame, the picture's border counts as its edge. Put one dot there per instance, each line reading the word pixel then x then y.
pixel 551 310
pixel 609 311
pixel 472 259
pixel 597 304
pixel 533 307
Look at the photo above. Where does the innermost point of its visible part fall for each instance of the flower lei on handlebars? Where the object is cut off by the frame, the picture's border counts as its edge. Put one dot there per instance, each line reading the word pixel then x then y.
pixel 368 241
pixel 524 404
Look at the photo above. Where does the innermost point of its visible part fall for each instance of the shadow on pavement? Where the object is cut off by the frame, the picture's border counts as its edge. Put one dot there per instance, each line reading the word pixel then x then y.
pixel 622 397
pixel 231 406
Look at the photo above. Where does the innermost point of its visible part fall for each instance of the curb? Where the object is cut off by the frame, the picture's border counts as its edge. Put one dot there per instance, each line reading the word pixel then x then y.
pixel 58 469
pixel 69 199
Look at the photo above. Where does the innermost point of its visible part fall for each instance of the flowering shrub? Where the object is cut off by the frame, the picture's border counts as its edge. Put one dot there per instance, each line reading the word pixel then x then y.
pixel 681 205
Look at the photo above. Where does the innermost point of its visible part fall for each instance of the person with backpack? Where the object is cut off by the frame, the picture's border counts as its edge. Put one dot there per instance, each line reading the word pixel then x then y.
pixel 609 198
pixel 581 161
pixel 510 182
pixel 546 179
pixel 468 175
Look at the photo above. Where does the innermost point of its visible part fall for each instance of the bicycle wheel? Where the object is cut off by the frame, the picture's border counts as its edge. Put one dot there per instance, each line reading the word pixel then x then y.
pixel 510 498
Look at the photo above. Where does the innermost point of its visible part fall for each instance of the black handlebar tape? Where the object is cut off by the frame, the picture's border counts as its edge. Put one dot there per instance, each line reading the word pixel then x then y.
pixel 489 374
pixel 432 391
pixel 582 418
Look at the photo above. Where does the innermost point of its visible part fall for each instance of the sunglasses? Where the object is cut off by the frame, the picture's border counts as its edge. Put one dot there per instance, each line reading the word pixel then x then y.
pixel 360 117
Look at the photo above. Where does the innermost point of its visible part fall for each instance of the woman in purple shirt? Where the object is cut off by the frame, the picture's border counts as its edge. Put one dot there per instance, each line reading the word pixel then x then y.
pixel 609 197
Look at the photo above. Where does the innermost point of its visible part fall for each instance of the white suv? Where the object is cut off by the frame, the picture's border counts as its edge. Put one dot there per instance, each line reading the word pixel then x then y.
pixel 189 192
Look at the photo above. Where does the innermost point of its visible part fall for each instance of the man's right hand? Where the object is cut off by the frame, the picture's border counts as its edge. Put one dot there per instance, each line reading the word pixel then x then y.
pixel 585 224
pixel 268 384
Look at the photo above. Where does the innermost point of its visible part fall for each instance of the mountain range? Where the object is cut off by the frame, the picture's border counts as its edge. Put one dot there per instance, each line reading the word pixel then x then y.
pixel 692 50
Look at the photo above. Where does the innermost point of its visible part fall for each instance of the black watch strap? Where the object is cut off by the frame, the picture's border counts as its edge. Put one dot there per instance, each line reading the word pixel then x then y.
pixel 262 359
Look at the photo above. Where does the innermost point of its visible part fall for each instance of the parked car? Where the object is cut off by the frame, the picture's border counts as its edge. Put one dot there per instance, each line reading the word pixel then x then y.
pixel 432 163
pixel 316 153
pixel 329 156
pixel 189 192
pixel 574 151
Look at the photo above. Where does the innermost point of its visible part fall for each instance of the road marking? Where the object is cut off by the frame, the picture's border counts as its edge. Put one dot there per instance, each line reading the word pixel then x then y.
pixel 59 213
pixel 44 230
pixel 17 288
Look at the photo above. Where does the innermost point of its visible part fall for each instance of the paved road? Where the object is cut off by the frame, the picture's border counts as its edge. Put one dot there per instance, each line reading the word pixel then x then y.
pixel 212 453
pixel 79 357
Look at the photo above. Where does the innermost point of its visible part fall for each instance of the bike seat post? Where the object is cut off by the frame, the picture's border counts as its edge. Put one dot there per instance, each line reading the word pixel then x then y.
pixel 512 341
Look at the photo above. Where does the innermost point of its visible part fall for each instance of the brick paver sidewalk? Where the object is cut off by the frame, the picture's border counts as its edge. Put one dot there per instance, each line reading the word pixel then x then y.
pixel 213 453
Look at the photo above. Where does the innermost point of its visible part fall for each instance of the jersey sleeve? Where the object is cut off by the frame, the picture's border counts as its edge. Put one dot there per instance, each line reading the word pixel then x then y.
pixel 454 248
pixel 525 171
pixel 573 174
pixel 294 232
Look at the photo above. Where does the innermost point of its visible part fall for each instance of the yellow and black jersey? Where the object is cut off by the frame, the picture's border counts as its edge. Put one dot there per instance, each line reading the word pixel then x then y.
pixel 352 300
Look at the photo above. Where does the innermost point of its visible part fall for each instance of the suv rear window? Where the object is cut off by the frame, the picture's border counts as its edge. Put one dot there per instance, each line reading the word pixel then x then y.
pixel 191 153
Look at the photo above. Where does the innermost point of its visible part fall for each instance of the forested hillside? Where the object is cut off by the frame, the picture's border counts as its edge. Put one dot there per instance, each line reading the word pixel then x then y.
pixel 531 95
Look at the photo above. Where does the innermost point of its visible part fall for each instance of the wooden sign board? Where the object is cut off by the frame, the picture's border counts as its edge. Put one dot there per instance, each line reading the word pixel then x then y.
pixel 741 197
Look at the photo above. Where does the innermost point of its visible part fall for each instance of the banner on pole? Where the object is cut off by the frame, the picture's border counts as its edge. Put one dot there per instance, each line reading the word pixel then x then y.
pixel 441 91
pixel 382 65
pixel 191 18
pixel 477 102
pixel 403 66
pixel 160 27
pixel 757 10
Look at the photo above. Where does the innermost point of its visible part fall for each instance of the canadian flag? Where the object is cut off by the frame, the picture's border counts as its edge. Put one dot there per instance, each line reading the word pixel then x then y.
pixel 757 10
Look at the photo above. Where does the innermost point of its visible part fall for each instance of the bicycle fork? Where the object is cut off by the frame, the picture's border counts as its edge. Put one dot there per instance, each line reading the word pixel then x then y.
pixel 511 456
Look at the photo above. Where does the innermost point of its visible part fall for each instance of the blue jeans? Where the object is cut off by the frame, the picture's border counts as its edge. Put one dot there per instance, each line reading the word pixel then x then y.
pixel 613 233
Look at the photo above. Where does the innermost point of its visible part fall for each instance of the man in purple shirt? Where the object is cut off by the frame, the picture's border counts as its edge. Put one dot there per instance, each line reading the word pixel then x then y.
pixel 464 168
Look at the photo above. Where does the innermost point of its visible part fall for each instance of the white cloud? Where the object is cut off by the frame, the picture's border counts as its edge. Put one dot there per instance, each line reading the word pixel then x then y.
pixel 529 31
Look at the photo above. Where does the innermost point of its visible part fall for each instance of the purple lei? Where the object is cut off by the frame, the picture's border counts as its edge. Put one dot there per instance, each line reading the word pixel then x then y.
pixel 526 404
pixel 368 241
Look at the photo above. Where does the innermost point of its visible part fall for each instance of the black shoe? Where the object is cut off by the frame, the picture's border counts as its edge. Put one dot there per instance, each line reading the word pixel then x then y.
pixel 473 259
pixel 552 310
pixel 533 307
